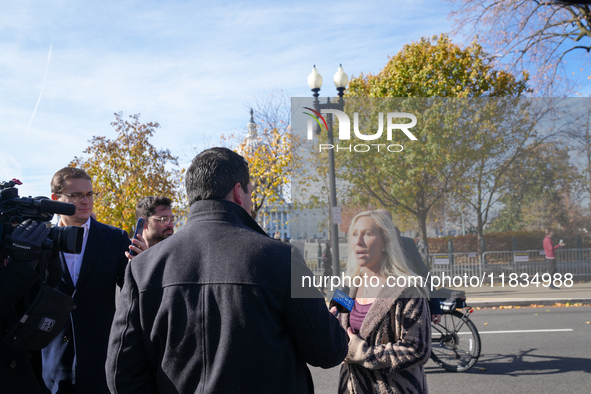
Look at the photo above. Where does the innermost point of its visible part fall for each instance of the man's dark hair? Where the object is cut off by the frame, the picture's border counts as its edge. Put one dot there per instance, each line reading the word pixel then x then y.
pixel 213 173
pixel 146 207
pixel 57 182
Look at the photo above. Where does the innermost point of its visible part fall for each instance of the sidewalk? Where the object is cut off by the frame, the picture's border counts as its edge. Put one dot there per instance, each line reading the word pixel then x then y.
pixel 487 296
pixel 496 296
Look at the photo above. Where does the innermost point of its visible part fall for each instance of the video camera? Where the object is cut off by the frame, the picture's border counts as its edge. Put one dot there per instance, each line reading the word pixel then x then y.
pixel 50 310
pixel 14 210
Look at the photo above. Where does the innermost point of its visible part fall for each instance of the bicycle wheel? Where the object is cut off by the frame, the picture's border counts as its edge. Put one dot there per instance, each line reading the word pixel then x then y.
pixel 455 343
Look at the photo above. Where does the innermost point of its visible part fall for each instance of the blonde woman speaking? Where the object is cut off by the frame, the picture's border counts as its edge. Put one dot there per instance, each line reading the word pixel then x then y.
pixel 389 329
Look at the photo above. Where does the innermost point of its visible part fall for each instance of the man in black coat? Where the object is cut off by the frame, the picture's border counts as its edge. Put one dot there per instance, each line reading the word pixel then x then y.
pixel 209 309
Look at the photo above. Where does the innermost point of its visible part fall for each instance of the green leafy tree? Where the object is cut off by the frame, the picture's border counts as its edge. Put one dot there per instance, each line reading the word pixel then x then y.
pixel 436 67
pixel 581 137
pixel 428 169
pixel 540 191
pixel 127 169
pixel 506 130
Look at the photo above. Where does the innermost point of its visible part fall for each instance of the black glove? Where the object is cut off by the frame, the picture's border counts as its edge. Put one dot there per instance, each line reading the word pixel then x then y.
pixel 24 244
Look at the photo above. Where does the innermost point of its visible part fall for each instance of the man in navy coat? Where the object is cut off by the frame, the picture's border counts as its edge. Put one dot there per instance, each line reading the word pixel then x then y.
pixel 210 309
pixel 74 362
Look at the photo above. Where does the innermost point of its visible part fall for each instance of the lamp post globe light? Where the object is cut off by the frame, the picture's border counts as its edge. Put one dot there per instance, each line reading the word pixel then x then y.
pixel 315 82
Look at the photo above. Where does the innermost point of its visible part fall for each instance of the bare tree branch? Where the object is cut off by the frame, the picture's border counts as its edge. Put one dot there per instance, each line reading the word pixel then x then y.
pixel 531 36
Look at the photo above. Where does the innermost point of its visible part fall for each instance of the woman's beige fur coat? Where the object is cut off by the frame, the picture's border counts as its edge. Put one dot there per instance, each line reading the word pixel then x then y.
pixel 388 353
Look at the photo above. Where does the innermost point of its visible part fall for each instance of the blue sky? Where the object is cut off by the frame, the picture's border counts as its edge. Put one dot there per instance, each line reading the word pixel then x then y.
pixel 191 66
pixel 67 66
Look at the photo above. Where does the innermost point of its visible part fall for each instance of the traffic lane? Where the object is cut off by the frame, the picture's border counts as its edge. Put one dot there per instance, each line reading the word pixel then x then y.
pixel 523 318
pixel 524 362
pixel 325 380
pixel 516 360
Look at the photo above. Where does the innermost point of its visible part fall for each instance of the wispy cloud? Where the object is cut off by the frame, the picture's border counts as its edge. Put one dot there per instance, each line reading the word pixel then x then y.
pixel 190 66
pixel 40 93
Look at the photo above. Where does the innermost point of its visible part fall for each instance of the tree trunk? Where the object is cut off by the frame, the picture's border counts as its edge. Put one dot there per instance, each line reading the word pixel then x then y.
pixel 422 218
pixel 480 234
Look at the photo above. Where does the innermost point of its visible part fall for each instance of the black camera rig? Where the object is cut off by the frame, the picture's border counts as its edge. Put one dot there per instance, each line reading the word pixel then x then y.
pixel 14 210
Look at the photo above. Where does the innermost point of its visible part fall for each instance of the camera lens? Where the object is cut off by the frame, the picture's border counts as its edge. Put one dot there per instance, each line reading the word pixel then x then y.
pixel 68 239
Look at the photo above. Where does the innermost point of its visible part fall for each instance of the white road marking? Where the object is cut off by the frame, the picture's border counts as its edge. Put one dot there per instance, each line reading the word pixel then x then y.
pixel 518 331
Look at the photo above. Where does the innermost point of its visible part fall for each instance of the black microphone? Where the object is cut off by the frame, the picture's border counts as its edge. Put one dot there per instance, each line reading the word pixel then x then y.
pixel 342 301
pixel 59 207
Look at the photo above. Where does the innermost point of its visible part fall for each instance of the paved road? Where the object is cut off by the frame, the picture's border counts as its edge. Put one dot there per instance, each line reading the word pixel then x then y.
pixel 521 361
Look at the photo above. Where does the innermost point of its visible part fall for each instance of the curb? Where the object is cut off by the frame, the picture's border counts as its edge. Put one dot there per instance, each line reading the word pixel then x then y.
pixel 528 302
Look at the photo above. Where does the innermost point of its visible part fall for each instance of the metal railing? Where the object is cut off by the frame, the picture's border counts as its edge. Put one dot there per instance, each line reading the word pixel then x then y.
pixel 315 265
pixel 574 261
pixel 455 264
pixel 531 262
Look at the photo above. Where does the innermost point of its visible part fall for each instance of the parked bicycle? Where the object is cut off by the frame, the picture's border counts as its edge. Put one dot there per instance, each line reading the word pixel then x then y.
pixel 455 343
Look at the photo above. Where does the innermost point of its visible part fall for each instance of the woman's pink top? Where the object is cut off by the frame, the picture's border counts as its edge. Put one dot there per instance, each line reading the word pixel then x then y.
pixel 357 316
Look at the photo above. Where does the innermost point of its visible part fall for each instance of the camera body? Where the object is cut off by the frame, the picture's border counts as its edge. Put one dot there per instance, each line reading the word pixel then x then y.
pixel 14 210
pixel 49 312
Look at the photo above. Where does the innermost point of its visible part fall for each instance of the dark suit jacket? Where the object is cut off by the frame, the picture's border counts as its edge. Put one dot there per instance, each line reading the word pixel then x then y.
pixel 78 354
pixel 412 253
pixel 209 310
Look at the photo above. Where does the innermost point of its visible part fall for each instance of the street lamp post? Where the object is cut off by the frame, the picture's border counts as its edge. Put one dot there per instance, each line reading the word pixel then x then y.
pixel 315 82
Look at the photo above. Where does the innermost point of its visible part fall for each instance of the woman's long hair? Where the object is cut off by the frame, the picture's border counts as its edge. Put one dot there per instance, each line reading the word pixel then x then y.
pixel 393 262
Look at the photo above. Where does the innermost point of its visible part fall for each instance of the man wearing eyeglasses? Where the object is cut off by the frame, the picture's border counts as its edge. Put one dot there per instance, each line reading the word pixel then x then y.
pixel 74 361
pixel 159 223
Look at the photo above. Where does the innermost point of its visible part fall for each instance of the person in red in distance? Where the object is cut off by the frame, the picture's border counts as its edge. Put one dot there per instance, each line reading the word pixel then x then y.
pixel 550 253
